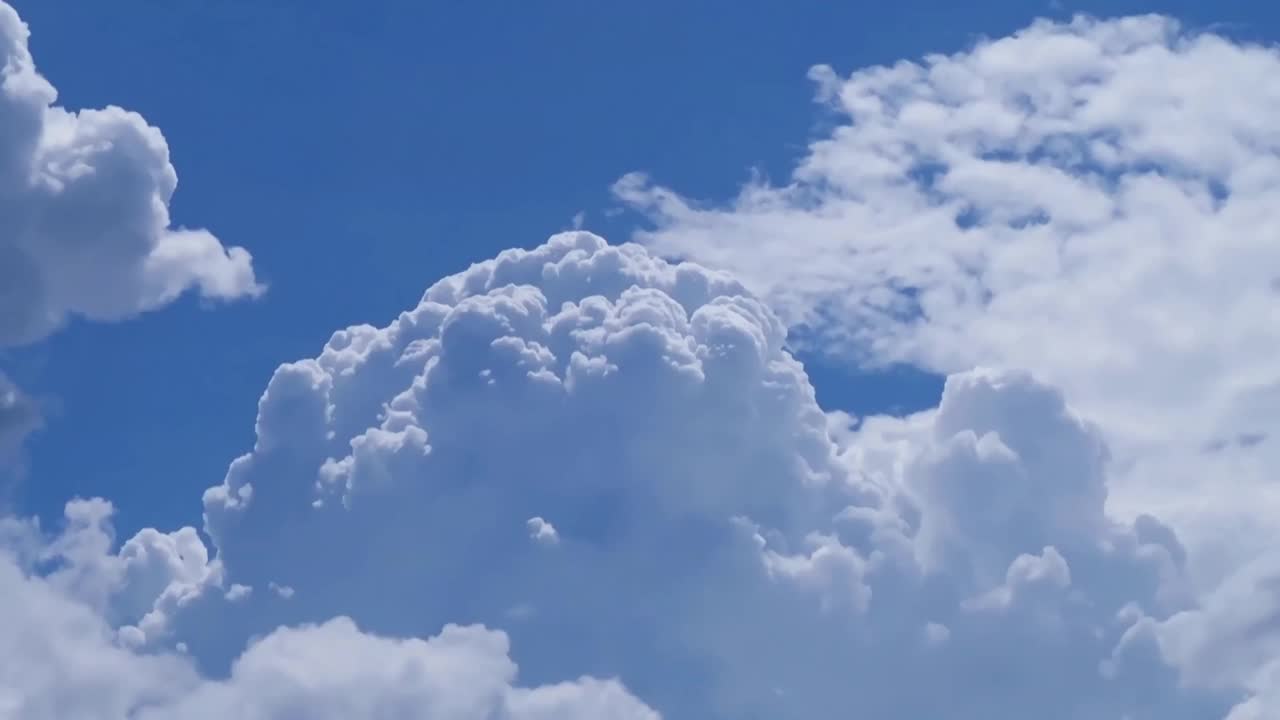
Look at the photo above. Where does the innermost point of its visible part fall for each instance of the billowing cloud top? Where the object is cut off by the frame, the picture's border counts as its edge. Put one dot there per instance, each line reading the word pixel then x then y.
pixel 614 459
pixel 1094 201
pixel 84 221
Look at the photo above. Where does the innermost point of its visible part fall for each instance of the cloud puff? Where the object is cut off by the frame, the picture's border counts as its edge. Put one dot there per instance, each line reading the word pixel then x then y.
pixel 1233 635
pixel 1092 200
pixel 541 531
pixel 136 588
pixel 19 416
pixel 64 660
pixel 715 547
pixel 84 200
pixel 336 671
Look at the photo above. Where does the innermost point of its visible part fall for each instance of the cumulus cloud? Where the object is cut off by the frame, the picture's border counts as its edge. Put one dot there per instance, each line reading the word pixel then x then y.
pixel 137 588
pixel 65 660
pixel 723 546
pixel 84 200
pixel 541 531
pixel 62 659
pixel 1233 635
pixel 1092 200
pixel 19 416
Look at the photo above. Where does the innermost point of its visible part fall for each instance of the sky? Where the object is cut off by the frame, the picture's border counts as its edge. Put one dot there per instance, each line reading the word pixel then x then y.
pixel 705 360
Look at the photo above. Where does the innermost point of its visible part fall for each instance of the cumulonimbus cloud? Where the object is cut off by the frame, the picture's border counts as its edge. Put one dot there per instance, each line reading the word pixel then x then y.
pixel 721 546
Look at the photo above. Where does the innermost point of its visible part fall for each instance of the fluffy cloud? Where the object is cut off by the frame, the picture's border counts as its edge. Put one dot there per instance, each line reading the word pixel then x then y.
pixel 334 671
pixel 1093 200
pixel 66 658
pixel 714 546
pixel 62 660
pixel 136 588
pixel 1233 635
pixel 84 200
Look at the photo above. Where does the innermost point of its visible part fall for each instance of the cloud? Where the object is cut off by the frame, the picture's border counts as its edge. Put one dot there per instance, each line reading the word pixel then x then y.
pixel 541 531
pixel 1092 200
pixel 84 200
pixel 19 416
pixel 616 459
pixel 64 660
pixel 136 588
pixel 716 548
pixel 1234 634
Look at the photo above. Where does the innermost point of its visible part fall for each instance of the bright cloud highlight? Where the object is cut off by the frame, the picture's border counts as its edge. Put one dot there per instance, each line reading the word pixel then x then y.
pixel 84 200
pixel 1093 201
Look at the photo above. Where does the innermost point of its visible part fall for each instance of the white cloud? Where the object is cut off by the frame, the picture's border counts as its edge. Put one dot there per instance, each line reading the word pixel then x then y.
pixel 1234 634
pixel 63 660
pixel 716 549
pixel 85 228
pixel 541 531
pixel 335 671
pixel 137 588
pixel 283 591
pixel 1094 201
pixel 19 416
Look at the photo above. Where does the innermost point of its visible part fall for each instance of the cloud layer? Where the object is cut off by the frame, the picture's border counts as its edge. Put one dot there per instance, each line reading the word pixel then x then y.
pixel 84 200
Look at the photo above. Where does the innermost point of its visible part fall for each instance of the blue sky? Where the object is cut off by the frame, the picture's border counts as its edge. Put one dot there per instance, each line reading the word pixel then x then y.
pixel 363 151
